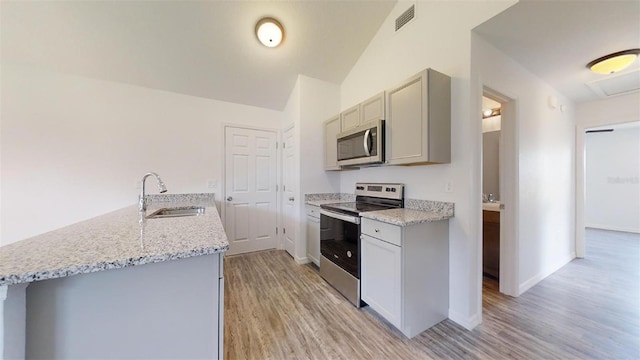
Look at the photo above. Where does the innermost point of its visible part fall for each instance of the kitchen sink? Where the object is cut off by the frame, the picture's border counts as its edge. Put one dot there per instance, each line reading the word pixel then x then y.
pixel 176 212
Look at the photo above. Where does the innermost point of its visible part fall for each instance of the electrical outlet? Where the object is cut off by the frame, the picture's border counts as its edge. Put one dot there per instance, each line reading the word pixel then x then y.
pixel 212 184
pixel 448 187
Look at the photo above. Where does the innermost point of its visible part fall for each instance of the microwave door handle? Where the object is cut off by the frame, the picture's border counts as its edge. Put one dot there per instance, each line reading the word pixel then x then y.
pixel 367 150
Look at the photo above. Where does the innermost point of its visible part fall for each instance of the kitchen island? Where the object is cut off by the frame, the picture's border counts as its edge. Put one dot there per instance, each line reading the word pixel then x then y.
pixel 171 307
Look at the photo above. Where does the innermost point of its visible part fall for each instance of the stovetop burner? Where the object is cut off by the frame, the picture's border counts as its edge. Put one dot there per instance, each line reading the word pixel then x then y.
pixel 355 207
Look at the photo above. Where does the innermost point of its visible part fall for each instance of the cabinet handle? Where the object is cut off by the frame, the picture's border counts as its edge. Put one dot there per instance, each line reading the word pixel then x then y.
pixel 377 230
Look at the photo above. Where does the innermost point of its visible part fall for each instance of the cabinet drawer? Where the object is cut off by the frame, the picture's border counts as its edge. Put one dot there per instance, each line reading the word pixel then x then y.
pixel 313 210
pixel 383 231
pixel 491 216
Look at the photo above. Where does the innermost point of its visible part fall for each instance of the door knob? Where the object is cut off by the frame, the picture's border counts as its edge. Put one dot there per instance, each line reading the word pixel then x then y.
pixel 229 198
pixel 291 198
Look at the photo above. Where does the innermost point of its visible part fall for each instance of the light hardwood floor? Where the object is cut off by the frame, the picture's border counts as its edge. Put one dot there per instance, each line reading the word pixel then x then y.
pixel 276 309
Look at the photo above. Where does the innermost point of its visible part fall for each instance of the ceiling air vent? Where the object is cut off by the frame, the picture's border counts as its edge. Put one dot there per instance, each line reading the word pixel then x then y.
pixel 406 17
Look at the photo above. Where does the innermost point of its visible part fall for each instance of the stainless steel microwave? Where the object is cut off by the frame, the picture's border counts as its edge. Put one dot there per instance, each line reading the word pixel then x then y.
pixel 362 145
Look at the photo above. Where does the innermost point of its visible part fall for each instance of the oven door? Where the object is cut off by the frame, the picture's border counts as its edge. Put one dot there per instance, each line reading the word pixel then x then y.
pixel 340 240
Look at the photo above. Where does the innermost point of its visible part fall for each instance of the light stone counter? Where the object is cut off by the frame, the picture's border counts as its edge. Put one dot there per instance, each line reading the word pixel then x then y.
pixel 415 211
pixel 116 240
pixel 328 198
pixel 405 217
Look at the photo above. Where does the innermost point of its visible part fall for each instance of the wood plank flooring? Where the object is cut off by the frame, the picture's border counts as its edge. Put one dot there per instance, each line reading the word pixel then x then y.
pixel 590 309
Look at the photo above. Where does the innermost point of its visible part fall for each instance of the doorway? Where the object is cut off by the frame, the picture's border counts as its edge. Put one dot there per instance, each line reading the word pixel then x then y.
pixel 250 203
pixel 500 191
pixel 491 122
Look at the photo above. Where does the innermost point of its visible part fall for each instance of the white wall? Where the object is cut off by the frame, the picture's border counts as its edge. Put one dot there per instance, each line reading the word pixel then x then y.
pixel 612 187
pixel 546 151
pixel 74 148
pixel 311 103
pixel 438 38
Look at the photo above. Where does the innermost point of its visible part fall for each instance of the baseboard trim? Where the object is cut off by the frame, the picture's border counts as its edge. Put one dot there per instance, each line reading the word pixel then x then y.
pixel 302 261
pixel 541 276
pixel 468 323
pixel 613 228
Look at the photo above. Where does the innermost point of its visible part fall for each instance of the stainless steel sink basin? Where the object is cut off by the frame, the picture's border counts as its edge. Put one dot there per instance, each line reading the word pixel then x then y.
pixel 176 212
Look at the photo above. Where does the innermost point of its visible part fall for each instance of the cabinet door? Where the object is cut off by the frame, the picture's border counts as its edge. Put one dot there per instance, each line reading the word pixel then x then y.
pixel 381 278
pixel 350 118
pixel 372 109
pixel 313 239
pixel 418 120
pixel 331 130
pixel 406 121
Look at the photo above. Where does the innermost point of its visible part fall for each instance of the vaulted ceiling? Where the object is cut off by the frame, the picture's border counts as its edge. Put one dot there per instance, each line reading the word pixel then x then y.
pixel 208 48
pixel 200 48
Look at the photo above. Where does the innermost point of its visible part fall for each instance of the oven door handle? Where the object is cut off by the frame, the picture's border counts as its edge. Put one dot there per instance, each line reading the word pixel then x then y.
pixel 347 218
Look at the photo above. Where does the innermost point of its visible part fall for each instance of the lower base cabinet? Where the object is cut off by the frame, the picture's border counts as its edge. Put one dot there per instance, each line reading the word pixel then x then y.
pixel 313 234
pixel 405 273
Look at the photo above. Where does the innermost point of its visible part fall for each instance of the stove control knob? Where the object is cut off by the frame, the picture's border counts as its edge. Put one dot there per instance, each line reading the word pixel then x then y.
pixel 388 189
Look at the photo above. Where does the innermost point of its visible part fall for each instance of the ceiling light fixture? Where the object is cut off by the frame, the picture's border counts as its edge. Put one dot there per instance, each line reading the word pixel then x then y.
pixel 270 32
pixel 613 63
pixel 491 113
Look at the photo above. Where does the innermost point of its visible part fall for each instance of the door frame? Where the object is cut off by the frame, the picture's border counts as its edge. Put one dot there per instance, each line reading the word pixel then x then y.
pixel 223 166
pixel 509 218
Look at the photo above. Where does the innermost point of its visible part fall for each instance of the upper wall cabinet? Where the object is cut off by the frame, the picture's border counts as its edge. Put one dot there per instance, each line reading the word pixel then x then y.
pixel 418 120
pixel 350 118
pixel 331 130
pixel 372 109
pixel 369 110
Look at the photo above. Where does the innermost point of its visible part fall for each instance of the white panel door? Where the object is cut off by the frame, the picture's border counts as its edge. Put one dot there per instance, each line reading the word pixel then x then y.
pixel 289 193
pixel 250 189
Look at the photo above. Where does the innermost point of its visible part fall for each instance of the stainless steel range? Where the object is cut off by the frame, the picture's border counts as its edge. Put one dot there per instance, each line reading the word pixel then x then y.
pixel 340 235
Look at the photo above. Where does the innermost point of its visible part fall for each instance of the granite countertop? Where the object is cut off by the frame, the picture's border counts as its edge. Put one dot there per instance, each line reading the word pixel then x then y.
pixel 328 198
pixel 116 240
pixel 415 211
pixel 406 217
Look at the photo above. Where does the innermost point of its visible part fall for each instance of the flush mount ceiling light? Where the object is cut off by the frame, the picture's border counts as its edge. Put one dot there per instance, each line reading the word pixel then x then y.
pixel 270 32
pixel 615 62
pixel 490 113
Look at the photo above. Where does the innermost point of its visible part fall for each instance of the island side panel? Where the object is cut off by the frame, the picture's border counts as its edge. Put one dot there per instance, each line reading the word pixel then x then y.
pixel 161 310
pixel 13 321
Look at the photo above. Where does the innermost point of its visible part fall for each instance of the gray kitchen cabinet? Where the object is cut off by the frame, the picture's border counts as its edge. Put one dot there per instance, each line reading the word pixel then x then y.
pixel 313 233
pixel 418 120
pixel 331 130
pixel 372 109
pixel 405 273
pixel 350 118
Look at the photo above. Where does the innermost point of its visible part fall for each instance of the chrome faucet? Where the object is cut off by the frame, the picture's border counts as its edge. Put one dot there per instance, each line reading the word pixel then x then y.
pixel 142 204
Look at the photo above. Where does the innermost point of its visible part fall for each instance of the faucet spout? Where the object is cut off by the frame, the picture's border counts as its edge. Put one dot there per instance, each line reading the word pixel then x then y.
pixel 142 204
